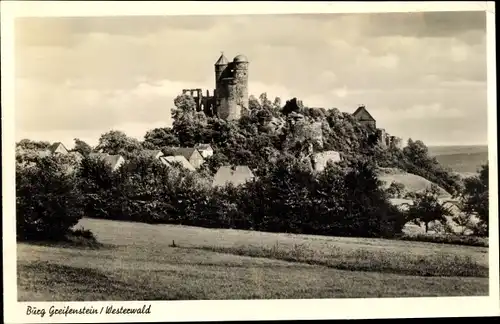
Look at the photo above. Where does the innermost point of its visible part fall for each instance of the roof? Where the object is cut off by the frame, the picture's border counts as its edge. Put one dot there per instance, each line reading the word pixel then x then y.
pixel 179 158
pixel 54 147
pixel 152 153
pixel 222 60
pixel 97 155
pixel 237 176
pixel 240 59
pixel 110 159
pixel 186 152
pixel 362 110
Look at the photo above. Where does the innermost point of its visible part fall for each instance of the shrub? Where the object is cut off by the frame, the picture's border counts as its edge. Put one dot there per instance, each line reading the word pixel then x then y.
pixel 396 190
pixel 98 186
pixel 475 198
pixel 48 204
pixel 427 208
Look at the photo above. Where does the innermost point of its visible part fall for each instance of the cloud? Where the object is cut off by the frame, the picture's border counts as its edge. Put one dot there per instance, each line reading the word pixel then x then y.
pixel 341 92
pixel 425 111
pixel 46 107
pixel 424 24
pixel 86 75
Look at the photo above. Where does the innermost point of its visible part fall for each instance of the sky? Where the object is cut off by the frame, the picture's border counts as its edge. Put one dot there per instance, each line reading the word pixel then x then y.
pixel 421 75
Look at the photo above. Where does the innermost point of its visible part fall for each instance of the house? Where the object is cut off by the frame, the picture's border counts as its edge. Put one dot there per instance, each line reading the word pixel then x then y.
pixel 168 160
pixel 115 161
pixel 363 116
pixel 155 154
pixel 205 150
pixel 236 175
pixel 321 159
pixel 57 147
pixel 191 154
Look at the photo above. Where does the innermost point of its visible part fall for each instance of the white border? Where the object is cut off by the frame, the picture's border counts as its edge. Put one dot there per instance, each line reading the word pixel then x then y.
pixel 238 309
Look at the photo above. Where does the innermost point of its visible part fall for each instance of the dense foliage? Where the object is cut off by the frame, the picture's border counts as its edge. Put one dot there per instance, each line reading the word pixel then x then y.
pixel 475 200
pixel 274 140
pixel 427 208
pixel 47 200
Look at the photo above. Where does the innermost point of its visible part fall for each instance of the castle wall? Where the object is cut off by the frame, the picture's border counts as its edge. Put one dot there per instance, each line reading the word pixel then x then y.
pixel 223 108
pixel 239 96
pixel 232 110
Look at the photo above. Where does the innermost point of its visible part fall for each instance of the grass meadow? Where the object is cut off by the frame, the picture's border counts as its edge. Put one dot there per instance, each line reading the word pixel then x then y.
pixel 166 262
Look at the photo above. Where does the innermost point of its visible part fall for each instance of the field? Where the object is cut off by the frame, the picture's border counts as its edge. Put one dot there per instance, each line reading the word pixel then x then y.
pixel 412 182
pixel 465 160
pixel 165 262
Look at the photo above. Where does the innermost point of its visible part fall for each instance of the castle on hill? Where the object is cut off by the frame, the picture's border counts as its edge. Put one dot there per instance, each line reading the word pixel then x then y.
pixel 230 96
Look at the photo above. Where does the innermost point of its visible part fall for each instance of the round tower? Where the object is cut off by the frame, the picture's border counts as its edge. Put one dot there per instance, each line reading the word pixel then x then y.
pixel 220 66
pixel 239 96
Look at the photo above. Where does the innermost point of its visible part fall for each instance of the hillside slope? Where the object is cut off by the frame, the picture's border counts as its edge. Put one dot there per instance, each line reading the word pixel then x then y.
pixel 412 182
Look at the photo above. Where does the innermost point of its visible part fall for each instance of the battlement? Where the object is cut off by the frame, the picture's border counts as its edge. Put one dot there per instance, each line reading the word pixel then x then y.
pixel 205 103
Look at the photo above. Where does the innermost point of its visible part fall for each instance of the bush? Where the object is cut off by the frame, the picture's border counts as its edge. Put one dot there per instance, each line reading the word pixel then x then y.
pixel 98 186
pixel 48 203
pixel 427 208
pixel 396 190
pixel 475 198
pixel 286 198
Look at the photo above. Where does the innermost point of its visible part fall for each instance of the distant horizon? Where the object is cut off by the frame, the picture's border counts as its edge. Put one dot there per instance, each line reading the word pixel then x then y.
pixel 70 144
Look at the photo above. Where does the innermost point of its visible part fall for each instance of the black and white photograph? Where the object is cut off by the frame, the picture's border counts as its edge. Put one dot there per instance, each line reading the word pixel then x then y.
pixel 254 156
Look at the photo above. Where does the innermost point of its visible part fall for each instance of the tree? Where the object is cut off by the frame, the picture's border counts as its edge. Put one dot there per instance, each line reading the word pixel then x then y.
pixel 28 144
pixel 185 108
pixel 367 210
pixel 277 104
pixel 396 189
pixel 292 105
pixel 48 203
pixel 265 102
pixel 97 185
pixel 82 147
pixel 161 137
pixel 253 104
pixel 190 127
pixel 427 208
pixel 416 151
pixel 117 142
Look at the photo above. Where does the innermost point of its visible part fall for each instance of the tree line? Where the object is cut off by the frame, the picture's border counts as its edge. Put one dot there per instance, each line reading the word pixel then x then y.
pixel 287 196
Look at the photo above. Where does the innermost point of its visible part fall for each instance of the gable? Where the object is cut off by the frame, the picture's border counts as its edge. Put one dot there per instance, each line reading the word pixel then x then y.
pixel 180 159
pixel 58 147
pixel 187 152
pixel 204 147
pixel 362 114
pixel 153 153
pixel 237 176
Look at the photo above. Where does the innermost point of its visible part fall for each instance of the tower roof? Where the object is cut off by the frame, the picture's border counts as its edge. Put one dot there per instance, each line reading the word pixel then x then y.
pixel 222 60
pixel 240 58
